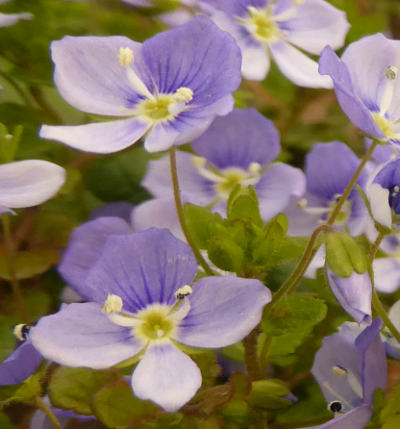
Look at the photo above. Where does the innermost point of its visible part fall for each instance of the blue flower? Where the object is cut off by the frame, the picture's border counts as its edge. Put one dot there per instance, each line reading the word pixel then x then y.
pixel 169 89
pixel 238 149
pixel 265 29
pixel 142 305
pixel 349 367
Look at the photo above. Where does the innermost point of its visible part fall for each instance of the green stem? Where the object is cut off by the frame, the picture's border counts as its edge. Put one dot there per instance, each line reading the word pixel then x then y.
pixel 265 351
pixel 17 88
pixel 181 214
pixel 10 259
pixel 351 184
pixel 291 283
pixel 376 302
pixel 251 354
pixel 47 410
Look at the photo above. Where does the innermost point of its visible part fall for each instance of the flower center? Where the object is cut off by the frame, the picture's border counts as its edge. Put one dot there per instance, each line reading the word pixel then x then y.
pixel 155 323
pixel 385 126
pixel 261 24
pixel 155 107
pixel 225 180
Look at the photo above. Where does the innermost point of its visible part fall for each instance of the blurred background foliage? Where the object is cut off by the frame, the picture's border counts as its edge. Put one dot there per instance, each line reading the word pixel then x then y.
pixel 29 99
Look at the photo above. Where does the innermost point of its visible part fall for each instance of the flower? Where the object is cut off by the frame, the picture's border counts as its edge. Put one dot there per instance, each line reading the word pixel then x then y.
pixel 28 183
pixel 329 168
pixel 391 344
pixel 169 88
pixel 237 149
pixel 354 294
pixel 349 367
pixel 265 29
pixel 142 305
pixel 366 82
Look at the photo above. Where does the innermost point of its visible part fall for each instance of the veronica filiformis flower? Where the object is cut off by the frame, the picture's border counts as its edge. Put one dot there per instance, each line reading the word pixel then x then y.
pixel 349 367
pixel 238 149
pixel 28 183
pixel 281 30
pixel 366 80
pixel 168 89
pixel 329 168
pixel 143 304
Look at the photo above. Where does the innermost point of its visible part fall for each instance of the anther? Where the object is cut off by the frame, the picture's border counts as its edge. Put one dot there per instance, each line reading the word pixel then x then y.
pixel 335 406
pixel 183 95
pixel 254 168
pixel 391 72
pixel 302 203
pixel 125 57
pixel 199 161
pixel 113 304
pixel 183 292
pixel 339 371
pixel 21 331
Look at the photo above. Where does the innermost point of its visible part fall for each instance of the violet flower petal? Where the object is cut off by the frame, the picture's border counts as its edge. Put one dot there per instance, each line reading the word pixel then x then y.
pixel 166 376
pixel 29 183
pixel 142 268
pixel 101 137
pixel 81 335
pixel 238 139
pixel 223 311
pixel 298 67
pixel 20 365
pixel 354 294
pixel 85 247
pixel 386 274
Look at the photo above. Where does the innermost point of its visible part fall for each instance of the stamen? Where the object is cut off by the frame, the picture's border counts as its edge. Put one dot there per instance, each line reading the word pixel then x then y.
pixel 332 392
pixel 199 161
pixel 21 331
pixel 302 203
pixel 137 84
pixel 396 190
pixel 339 371
pixel 183 292
pixel 391 72
pixel 254 168
pixel 183 95
pixel 125 57
pixel 113 304
pixel 335 407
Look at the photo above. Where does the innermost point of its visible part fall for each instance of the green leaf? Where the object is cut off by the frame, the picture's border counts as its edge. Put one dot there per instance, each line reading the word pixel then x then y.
pixel 226 254
pixel 295 314
pixel 5 422
pixel 392 404
pixel 74 388
pixel 243 205
pixel 9 143
pixel 267 394
pixel 201 223
pixel 343 255
pixel 7 339
pixel 29 263
pixel 118 408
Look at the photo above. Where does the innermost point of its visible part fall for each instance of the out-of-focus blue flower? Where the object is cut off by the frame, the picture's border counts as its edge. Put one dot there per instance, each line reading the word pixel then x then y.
pixel 6 20
pixel 391 344
pixel 141 303
pixel 28 183
pixel 354 294
pixel 277 29
pixel 349 367
pixel 366 81
pixel 329 169
pixel 238 149
pixel 169 89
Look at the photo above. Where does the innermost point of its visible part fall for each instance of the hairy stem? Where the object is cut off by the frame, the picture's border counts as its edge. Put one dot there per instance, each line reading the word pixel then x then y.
pixel 10 259
pixel 251 355
pixel 376 302
pixel 181 216
pixel 311 249
pixel 46 409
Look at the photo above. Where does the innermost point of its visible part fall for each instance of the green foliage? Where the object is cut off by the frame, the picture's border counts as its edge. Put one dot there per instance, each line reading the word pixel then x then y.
pixel 9 143
pixel 290 322
pixel 268 394
pixel 116 407
pixel 343 254
pixel 74 388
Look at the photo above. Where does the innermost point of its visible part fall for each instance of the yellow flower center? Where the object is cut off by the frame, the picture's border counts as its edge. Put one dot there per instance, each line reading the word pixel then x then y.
pixel 157 108
pixel 261 24
pixel 385 126
pixel 155 324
